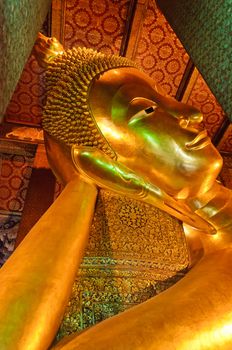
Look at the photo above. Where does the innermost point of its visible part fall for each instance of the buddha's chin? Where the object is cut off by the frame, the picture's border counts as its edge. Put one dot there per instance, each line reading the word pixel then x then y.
pixel 199 183
pixel 194 190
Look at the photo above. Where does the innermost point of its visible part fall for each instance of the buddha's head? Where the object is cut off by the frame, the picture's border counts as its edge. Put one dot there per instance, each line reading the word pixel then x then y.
pixel 108 103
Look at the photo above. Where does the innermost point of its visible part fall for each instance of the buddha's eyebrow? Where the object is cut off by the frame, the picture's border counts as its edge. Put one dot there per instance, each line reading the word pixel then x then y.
pixel 171 105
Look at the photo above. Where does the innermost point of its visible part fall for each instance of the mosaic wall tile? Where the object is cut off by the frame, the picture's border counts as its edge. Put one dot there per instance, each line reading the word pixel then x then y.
pixel 16 162
pixel 202 98
pixel 204 28
pixel 160 53
pixel 9 225
pixel 15 174
pixel 26 104
pixel 96 24
pixel 20 22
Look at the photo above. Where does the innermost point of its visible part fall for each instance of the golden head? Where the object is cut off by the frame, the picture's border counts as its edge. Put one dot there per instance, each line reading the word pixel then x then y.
pixel 106 102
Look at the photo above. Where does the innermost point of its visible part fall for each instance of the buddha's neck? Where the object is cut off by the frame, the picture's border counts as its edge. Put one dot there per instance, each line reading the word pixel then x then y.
pixel 215 206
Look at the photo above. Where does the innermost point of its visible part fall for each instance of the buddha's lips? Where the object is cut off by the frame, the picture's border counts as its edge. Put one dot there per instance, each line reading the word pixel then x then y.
pixel 199 142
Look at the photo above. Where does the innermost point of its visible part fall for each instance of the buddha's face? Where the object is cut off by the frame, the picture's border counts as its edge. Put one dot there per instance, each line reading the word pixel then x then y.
pixel 152 135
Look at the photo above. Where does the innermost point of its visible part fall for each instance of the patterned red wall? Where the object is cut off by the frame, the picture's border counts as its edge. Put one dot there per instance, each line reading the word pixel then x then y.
pixel 159 52
pixel 96 24
pixel 226 173
pixel 91 23
pixel 15 174
pixel 27 101
pixel 16 160
pixel 202 98
pixel 226 143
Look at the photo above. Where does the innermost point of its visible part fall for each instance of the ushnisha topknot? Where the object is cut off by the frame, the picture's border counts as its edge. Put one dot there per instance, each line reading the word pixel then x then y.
pixel 67 115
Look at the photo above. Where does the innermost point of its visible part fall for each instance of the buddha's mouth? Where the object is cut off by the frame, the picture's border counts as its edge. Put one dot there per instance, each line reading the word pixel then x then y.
pixel 200 141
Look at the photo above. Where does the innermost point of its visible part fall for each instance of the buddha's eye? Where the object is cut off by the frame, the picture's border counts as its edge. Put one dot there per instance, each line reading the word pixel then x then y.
pixel 149 110
pixel 142 114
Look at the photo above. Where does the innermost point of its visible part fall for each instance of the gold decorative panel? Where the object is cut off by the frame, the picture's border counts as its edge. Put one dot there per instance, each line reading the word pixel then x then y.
pixel 135 251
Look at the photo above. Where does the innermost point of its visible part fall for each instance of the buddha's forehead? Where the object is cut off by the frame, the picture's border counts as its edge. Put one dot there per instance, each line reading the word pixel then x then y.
pixel 115 93
pixel 124 82
pixel 121 92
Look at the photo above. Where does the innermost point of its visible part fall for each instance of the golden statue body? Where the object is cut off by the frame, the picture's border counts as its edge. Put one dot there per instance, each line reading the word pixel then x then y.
pixel 107 124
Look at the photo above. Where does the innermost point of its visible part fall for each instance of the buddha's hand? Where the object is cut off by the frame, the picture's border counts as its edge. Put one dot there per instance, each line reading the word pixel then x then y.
pixel 96 167
pixel 93 166
pixel 46 49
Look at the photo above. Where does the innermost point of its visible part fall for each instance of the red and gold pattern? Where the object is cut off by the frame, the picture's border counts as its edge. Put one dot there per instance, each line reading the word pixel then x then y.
pixel 15 176
pixel 226 142
pixel 202 98
pixel 160 53
pixel 99 25
pixel 226 173
pixel 134 252
pixel 16 160
pixel 9 225
pixel 95 24
pixel 28 99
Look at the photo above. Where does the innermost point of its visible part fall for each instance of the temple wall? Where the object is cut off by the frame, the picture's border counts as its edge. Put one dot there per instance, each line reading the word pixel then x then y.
pixel 20 22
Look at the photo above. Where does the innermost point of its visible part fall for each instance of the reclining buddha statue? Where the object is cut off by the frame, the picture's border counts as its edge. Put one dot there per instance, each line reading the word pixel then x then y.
pixel 107 125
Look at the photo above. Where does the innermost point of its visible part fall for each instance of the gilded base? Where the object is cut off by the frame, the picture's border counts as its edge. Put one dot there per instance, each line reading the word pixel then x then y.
pixel 135 251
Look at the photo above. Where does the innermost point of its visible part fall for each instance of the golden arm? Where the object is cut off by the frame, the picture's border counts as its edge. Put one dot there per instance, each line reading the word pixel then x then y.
pixel 194 314
pixel 37 279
